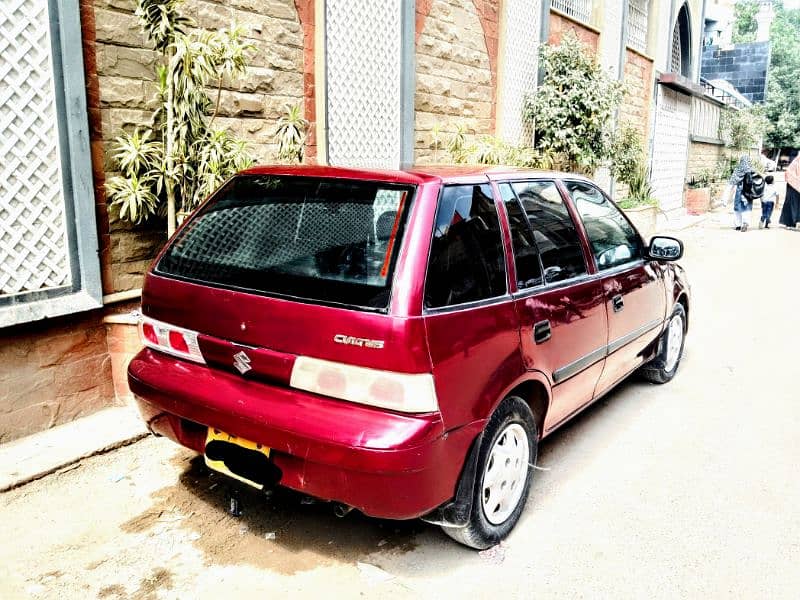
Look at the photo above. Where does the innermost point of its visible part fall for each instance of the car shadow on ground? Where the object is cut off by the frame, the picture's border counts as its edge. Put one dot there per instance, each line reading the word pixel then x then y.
pixel 287 532
pixel 284 531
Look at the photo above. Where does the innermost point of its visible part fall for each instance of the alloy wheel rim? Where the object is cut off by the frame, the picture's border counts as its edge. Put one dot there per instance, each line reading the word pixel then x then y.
pixel 674 342
pixel 505 473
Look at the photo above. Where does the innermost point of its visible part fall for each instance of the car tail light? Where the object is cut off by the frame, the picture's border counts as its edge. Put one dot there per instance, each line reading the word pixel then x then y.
pixel 170 339
pixel 404 392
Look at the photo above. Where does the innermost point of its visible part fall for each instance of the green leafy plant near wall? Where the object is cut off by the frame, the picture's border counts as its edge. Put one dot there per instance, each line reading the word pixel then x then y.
pixel 173 164
pixel 742 130
pixel 640 193
pixel 700 180
pixel 572 111
pixel 291 134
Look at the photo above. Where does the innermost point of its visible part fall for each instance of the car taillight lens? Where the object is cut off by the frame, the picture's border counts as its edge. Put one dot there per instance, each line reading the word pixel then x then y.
pixel 170 339
pixel 404 392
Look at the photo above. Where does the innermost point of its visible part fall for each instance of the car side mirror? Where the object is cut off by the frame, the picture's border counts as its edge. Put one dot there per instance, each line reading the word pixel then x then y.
pixel 665 248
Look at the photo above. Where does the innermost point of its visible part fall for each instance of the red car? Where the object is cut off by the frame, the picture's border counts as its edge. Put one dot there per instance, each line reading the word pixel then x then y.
pixel 400 342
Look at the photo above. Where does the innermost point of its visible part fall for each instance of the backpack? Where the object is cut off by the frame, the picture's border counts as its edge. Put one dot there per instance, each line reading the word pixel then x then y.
pixel 753 186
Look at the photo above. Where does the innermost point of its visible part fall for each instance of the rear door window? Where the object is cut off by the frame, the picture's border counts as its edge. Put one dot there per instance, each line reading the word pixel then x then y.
pixel 553 229
pixel 526 255
pixel 327 240
pixel 466 262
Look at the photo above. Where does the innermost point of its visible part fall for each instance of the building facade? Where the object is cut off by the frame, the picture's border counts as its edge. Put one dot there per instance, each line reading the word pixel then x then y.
pixel 375 80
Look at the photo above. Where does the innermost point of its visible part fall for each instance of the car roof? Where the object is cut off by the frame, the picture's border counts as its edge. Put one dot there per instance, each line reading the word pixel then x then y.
pixel 412 175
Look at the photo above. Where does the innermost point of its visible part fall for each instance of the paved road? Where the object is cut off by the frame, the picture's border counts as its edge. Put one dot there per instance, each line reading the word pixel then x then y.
pixel 686 490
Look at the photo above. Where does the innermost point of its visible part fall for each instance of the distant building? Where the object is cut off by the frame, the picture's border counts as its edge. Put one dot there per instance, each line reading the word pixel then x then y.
pixel 744 65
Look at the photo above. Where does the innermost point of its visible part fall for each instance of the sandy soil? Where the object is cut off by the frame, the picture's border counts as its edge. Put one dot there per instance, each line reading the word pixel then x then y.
pixel 683 490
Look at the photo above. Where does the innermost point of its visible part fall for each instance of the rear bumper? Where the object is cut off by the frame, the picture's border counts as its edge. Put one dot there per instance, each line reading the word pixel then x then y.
pixel 385 464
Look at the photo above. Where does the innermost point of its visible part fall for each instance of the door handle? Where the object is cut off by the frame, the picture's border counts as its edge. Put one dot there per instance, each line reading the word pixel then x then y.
pixel 541 332
pixel 617 303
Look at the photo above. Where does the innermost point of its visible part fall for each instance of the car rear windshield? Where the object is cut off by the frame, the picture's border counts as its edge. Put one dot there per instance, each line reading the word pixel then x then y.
pixel 314 239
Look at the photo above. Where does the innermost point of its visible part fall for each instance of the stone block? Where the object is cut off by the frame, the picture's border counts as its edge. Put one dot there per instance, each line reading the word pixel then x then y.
pixel 118 28
pixel 280 83
pixel 26 387
pixel 124 92
pixel 117 119
pixel 27 420
pixel 238 104
pixel 128 275
pixel 81 375
pixel 136 245
pixel 275 106
pixel 120 61
pixel 87 402
pixel 82 343
pixel 122 5
pixel 208 15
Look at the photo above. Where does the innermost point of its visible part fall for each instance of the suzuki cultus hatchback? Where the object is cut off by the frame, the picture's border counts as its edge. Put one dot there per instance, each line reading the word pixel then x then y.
pixel 400 342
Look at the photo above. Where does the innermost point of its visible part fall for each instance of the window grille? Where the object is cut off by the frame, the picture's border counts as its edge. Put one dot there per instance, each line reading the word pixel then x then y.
pixel 519 67
pixel 705 118
pixel 637 25
pixel 48 234
pixel 676 59
pixel 578 9
pixel 34 253
pixel 363 60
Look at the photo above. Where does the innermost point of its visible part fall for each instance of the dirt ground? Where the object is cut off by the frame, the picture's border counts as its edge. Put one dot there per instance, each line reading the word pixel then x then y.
pixel 684 490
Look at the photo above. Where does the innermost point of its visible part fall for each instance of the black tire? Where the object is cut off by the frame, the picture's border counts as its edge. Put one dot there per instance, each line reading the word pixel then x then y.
pixel 656 370
pixel 480 533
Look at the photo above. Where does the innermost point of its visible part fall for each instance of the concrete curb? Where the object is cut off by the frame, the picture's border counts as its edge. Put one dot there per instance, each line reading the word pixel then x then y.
pixel 41 454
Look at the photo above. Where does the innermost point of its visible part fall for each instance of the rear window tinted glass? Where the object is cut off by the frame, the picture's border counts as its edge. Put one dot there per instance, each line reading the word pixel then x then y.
pixel 556 237
pixel 466 261
pixel 526 255
pixel 326 240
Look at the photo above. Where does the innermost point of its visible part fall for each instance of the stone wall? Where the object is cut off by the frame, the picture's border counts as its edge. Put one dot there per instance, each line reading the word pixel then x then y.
pixel 703 157
pixel 560 24
pixel 635 109
pixel 124 80
pixel 53 372
pixel 455 73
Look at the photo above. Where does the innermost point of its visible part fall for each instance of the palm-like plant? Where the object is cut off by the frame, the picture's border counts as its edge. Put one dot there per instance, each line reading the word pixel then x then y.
pixel 291 134
pixel 179 159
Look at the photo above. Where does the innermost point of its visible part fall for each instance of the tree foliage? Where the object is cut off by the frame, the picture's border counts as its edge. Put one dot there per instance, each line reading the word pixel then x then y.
pixel 573 109
pixel 745 25
pixel 743 129
pixel 783 80
pixel 180 158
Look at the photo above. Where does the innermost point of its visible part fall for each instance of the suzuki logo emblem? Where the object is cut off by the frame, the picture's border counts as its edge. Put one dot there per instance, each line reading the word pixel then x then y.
pixel 242 362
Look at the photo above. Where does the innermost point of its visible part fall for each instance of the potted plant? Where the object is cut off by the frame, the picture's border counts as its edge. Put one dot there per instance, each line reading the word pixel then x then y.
pixel 697 196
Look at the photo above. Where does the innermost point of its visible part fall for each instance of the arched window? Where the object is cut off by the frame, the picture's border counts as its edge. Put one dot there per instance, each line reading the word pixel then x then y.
pixel 681 55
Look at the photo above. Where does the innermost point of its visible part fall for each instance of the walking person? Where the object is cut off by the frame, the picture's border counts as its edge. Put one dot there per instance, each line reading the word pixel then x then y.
pixel 768 202
pixel 742 207
pixel 790 215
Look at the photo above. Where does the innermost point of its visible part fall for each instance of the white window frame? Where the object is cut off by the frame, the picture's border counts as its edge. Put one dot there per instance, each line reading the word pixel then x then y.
pixel 85 292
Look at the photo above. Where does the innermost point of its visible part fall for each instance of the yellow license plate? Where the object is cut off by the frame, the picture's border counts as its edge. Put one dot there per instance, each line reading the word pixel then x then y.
pixel 228 454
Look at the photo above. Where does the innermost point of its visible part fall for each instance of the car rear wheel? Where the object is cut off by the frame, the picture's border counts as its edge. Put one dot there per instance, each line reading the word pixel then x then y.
pixel 503 475
pixel 664 366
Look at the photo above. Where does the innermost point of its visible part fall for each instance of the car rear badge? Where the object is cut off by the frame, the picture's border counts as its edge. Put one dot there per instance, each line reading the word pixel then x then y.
pixel 349 340
pixel 242 362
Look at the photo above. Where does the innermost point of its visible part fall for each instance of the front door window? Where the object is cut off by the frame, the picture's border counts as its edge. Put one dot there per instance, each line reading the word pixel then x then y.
pixel 614 241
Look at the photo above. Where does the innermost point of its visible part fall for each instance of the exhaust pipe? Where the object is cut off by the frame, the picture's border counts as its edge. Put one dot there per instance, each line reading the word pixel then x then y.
pixel 341 510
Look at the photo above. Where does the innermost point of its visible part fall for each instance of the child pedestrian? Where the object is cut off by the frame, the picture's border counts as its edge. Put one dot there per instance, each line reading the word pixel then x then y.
pixel 768 202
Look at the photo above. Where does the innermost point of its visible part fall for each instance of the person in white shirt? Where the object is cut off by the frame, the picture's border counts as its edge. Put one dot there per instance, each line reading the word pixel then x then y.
pixel 768 201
